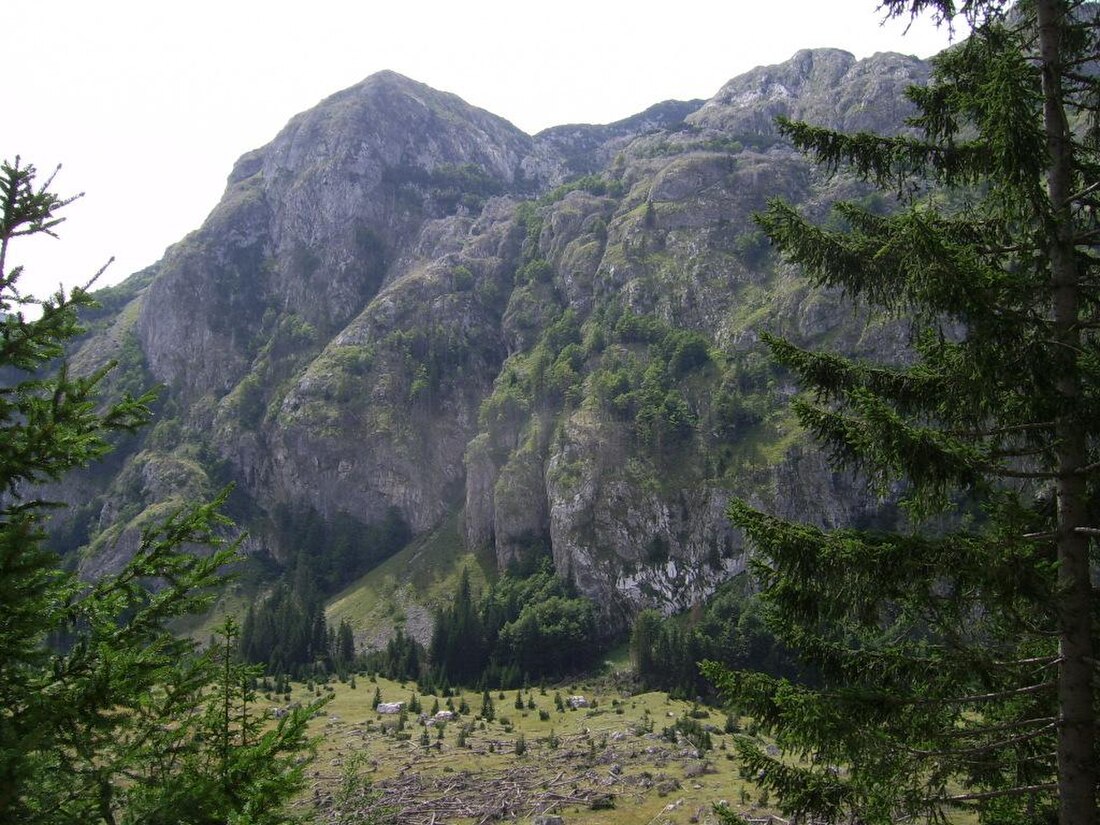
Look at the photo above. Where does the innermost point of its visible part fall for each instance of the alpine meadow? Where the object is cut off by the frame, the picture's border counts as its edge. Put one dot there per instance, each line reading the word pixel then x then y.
pixel 734 462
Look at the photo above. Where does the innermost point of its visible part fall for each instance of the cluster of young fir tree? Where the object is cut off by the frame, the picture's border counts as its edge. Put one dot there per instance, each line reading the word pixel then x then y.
pixel 729 628
pixel 287 631
pixel 523 629
pixel 958 665
pixel 125 723
pixel 401 659
pixel 290 636
pixel 337 550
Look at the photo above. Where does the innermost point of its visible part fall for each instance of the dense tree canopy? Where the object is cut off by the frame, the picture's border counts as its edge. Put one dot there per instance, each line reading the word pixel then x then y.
pixel 729 629
pixel 523 628
pixel 959 662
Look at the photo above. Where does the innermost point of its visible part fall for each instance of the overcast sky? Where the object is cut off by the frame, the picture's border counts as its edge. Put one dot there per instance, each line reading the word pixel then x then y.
pixel 147 104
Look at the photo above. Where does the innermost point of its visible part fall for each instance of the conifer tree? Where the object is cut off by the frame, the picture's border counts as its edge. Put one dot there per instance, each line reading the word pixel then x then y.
pixel 488 710
pixel 126 723
pixel 457 650
pixel 344 653
pixel 959 664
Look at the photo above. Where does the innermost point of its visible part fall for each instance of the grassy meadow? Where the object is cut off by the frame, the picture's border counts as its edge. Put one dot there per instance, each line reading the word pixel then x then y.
pixel 609 763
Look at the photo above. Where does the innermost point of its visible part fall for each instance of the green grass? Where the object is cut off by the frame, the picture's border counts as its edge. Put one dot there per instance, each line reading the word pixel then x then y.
pixel 232 602
pixel 615 748
pixel 426 573
pixel 619 657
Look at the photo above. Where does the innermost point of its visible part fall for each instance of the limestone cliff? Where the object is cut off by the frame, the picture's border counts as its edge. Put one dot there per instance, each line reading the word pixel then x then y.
pixel 403 304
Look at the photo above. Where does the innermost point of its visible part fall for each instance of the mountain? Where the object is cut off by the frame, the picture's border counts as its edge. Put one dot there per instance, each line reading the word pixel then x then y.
pixel 403 308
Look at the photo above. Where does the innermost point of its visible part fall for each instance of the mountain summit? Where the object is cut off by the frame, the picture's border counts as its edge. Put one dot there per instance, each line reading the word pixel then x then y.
pixel 405 308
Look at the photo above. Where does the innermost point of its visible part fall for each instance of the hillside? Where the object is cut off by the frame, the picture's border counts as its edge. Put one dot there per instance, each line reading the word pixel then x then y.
pixel 407 316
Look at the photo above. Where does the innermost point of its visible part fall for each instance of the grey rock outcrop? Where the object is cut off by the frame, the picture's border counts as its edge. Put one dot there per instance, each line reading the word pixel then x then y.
pixel 828 87
pixel 403 304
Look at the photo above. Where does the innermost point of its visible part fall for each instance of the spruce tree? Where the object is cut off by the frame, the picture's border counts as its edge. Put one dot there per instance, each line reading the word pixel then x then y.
pixel 344 653
pixel 958 663
pixel 457 651
pixel 125 722
pixel 488 710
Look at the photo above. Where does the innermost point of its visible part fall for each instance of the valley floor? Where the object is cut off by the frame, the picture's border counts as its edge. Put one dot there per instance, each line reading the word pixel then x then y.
pixel 618 761
pixel 605 764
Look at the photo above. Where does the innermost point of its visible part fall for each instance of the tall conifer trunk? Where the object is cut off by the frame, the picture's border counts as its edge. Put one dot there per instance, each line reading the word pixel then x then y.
pixel 1076 722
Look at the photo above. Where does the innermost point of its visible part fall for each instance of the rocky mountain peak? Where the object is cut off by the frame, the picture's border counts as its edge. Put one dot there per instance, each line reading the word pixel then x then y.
pixel 584 148
pixel 824 86
pixel 404 307
pixel 311 222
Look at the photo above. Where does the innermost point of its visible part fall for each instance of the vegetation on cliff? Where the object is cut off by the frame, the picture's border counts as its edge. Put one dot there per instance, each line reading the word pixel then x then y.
pixel 403 305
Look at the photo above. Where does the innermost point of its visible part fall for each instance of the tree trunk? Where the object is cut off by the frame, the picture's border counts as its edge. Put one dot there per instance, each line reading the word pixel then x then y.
pixel 1077 773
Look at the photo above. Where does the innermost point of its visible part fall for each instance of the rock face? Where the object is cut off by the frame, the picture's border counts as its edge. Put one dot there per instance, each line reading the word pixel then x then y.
pixel 313 223
pixel 403 304
pixel 827 87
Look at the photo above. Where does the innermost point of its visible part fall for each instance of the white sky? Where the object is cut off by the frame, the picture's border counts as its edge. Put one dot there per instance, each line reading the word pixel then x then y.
pixel 147 103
